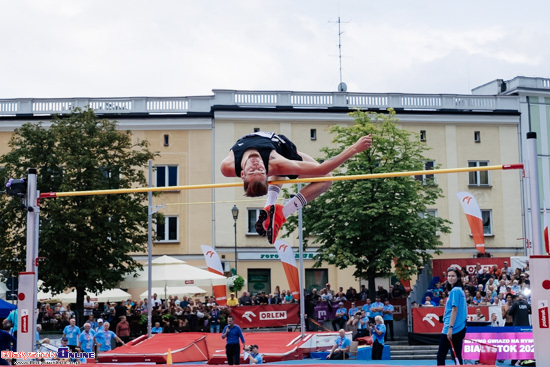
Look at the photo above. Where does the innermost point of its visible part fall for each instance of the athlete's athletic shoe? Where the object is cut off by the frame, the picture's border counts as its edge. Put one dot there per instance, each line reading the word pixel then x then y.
pixel 260 229
pixel 275 220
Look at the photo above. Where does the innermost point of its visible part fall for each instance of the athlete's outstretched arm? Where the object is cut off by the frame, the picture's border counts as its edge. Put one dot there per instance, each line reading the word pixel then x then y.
pixel 288 167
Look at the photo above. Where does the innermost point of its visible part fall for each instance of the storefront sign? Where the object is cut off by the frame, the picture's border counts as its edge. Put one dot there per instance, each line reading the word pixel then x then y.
pixel 266 316
pixel 270 256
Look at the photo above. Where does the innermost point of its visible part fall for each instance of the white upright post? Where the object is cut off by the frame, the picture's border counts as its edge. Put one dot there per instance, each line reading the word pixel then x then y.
pixel 150 251
pixel 533 171
pixel 302 283
pixel 26 317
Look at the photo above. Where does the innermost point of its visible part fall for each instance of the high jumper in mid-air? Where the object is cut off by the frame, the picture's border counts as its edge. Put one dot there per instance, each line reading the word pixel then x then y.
pixel 264 156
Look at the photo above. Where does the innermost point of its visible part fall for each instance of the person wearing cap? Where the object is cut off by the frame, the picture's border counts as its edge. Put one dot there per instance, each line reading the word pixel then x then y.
pixel 72 332
pixel 255 357
pixel 341 317
pixel 103 338
pixel 98 326
pixel 232 301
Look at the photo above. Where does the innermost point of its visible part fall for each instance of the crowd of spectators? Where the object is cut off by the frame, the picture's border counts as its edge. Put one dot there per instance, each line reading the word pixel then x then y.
pixel 487 286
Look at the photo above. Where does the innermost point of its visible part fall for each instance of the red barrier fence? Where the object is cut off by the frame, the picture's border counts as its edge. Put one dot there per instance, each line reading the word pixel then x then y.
pixel 441 265
pixel 426 319
pixel 266 316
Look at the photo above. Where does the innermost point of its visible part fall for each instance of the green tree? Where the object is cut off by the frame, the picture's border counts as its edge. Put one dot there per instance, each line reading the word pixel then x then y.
pixel 86 240
pixel 367 224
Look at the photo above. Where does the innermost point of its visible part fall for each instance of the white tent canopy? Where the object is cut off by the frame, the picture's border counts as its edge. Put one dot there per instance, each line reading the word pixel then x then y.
pixel 109 295
pixel 163 292
pixel 169 271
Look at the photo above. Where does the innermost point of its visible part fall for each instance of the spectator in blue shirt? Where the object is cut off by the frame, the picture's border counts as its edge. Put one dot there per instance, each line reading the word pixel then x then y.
pixel 366 308
pixel 72 332
pixel 255 357
pixel 103 338
pixel 86 339
pixel 340 348
pixel 378 332
pixel 215 319
pixel 454 318
pixel 341 317
pixel 233 334
pixel 388 319
pixel 157 329
pixel 351 315
pixel 377 308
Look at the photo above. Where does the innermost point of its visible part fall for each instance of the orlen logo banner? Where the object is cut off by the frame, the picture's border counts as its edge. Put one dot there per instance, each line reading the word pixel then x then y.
pixel 266 316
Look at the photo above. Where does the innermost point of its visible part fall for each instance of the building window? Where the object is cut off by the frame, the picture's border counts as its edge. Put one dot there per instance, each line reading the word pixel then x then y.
pixel 167 176
pixel 477 136
pixel 168 231
pixel 166 140
pixel 422 135
pixel 256 129
pixel 431 212
pixel 427 179
pixel 313 134
pixel 252 218
pixel 478 178
pixel 487 216
pixel 316 278
pixel 259 280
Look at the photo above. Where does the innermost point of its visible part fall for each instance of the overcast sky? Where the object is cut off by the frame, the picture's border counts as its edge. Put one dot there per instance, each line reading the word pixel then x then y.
pixel 95 48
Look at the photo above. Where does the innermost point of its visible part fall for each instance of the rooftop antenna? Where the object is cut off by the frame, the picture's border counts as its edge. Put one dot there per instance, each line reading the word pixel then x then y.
pixel 342 87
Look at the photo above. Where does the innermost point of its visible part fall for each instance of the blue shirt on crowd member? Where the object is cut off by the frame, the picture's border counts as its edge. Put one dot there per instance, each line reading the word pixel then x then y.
pixel 381 328
pixel 388 316
pixel 233 334
pixel 352 311
pixel 342 312
pixel 342 342
pixel 258 357
pixel 366 308
pixel 7 341
pixel 104 338
pixel 363 323
pixel 456 298
pixel 86 340
pixel 72 332
pixel 377 305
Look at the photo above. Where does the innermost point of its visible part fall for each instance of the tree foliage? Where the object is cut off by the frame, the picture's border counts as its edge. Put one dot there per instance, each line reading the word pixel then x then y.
pixel 366 224
pixel 86 240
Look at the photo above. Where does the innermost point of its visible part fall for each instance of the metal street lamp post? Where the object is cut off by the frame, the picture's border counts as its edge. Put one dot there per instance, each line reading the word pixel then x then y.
pixel 235 213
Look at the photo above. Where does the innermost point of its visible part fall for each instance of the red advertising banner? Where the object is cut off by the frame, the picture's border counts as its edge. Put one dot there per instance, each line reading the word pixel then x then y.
pixel 266 316
pixel 441 265
pixel 426 319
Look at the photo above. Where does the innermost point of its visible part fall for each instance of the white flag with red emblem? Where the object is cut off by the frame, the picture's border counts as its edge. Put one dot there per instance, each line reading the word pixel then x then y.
pixel 289 264
pixel 214 265
pixel 473 214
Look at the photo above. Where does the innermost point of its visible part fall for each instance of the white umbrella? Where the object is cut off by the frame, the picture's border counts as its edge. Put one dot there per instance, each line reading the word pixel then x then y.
pixel 109 295
pixel 171 272
pixel 3 290
pixel 42 296
pixel 176 291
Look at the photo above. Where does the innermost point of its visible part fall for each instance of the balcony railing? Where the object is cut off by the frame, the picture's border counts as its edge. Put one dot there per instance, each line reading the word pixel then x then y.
pixel 258 99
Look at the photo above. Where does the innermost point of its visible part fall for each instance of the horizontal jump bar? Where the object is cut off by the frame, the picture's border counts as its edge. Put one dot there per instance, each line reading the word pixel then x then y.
pixel 48 195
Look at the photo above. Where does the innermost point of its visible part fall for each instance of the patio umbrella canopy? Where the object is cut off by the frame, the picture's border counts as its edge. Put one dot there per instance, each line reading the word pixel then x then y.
pixel 171 272
pixel 189 291
pixel 109 295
